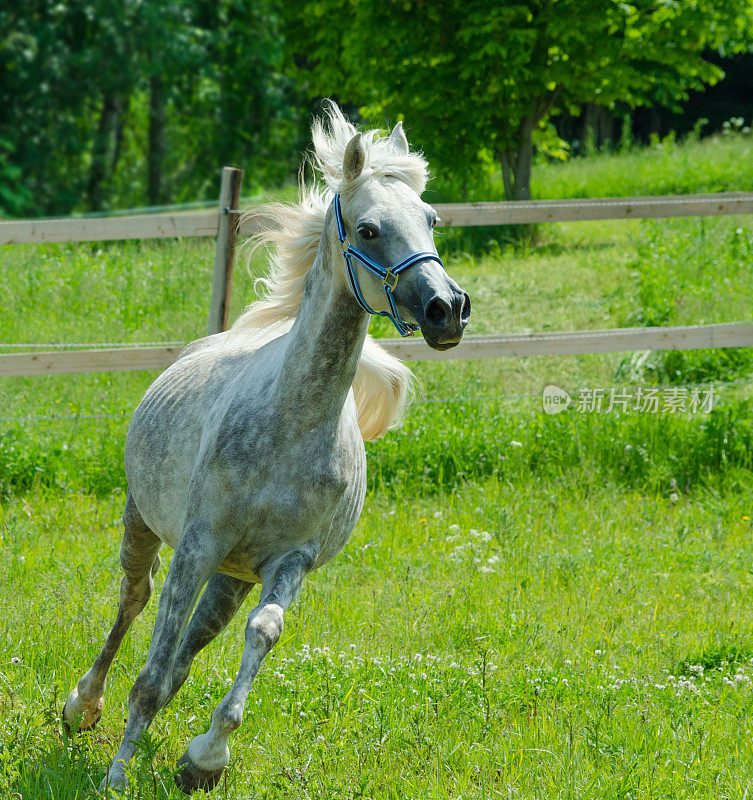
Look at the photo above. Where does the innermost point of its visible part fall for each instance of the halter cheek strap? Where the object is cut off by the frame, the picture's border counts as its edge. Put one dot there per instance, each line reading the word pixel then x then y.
pixel 388 276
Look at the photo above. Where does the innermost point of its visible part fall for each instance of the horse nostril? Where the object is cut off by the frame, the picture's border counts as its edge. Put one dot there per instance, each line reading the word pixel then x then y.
pixel 465 309
pixel 437 312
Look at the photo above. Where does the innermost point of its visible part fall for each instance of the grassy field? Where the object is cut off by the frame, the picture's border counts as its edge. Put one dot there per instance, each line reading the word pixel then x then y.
pixel 531 606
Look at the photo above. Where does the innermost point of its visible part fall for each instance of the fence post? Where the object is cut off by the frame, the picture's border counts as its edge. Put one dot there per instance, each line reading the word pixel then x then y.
pixel 224 259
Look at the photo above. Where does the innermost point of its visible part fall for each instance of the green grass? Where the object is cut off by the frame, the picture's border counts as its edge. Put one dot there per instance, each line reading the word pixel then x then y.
pixel 527 642
pixel 717 164
pixel 530 606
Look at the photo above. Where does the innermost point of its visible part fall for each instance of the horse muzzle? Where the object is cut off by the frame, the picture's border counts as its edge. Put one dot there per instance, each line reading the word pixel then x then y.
pixel 444 316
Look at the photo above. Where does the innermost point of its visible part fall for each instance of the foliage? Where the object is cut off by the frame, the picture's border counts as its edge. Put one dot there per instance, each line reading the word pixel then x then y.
pixel 13 193
pixel 141 100
pixel 485 74
pixel 105 105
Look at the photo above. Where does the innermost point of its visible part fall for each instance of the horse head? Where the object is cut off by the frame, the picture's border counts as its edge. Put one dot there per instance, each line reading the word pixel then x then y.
pixel 386 234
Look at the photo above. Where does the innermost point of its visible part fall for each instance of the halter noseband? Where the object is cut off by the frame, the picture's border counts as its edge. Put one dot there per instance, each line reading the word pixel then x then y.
pixel 387 276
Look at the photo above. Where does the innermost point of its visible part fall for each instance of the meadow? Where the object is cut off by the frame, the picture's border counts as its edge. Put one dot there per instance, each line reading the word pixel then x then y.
pixel 530 606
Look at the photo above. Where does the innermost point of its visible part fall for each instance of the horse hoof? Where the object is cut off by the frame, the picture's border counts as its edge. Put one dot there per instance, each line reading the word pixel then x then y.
pixel 86 719
pixel 112 787
pixel 189 777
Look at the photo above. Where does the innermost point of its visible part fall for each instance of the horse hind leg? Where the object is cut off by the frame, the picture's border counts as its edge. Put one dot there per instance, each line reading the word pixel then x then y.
pixel 140 560
pixel 202 764
pixel 196 558
pixel 218 605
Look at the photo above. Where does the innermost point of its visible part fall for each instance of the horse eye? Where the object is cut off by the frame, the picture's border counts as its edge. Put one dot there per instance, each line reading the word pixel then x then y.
pixel 367 232
pixel 434 221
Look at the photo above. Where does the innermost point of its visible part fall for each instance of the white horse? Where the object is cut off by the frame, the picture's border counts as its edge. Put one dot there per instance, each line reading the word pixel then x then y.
pixel 246 456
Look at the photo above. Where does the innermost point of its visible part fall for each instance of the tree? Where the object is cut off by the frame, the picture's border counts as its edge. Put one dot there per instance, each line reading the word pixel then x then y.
pixel 47 92
pixel 255 106
pixel 485 74
pixel 139 100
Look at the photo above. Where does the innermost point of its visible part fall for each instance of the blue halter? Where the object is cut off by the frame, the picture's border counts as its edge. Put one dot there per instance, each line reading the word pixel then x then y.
pixel 387 276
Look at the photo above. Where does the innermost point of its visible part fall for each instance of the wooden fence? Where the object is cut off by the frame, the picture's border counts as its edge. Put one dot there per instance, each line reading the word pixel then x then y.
pixel 229 222
pixel 207 223
pixel 690 337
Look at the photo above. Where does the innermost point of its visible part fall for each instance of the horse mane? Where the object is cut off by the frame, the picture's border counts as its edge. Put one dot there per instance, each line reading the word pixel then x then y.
pixel 383 385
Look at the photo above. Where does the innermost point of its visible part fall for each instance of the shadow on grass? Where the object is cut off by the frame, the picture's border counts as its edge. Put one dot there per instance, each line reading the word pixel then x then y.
pixel 60 769
pixel 72 768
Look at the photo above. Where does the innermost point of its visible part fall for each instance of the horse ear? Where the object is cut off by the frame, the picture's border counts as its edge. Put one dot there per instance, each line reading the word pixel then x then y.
pixel 354 159
pixel 398 140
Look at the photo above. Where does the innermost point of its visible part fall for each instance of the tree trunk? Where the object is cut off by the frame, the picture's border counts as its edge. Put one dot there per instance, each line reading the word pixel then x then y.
pixel 156 156
pixel 654 121
pixel 524 160
pixel 505 160
pixel 606 128
pixel 588 132
pixel 516 174
pixel 516 162
pixel 124 104
pixel 103 142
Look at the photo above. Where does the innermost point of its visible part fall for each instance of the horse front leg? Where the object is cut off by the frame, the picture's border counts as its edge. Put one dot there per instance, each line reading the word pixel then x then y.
pixel 207 755
pixel 195 558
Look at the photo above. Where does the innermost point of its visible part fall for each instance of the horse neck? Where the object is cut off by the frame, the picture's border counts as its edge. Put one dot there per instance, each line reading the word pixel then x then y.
pixel 325 343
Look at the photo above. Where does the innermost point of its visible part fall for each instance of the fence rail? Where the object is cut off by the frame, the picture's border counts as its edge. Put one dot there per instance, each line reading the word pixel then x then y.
pixel 207 223
pixel 581 210
pixel 691 337
pixel 103 229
